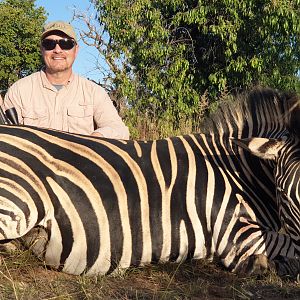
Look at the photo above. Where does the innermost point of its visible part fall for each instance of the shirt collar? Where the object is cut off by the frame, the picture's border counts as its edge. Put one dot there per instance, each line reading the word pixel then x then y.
pixel 46 82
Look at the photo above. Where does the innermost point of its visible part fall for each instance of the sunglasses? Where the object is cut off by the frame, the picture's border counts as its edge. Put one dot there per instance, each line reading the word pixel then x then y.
pixel 64 44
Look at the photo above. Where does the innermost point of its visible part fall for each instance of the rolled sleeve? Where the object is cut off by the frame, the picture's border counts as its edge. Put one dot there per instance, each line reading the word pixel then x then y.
pixel 119 133
pixel 107 120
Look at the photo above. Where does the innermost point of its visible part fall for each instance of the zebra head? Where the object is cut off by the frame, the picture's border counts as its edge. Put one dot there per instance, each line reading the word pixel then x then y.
pixel 284 153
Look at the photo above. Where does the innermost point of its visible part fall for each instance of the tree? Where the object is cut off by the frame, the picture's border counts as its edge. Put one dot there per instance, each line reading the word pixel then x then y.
pixel 20 31
pixel 164 54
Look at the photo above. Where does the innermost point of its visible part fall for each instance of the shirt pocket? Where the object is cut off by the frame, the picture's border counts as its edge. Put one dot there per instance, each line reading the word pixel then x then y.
pixel 80 119
pixel 39 118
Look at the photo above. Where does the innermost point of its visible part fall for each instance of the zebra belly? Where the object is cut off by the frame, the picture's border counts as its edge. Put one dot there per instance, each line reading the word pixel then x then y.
pixel 78 260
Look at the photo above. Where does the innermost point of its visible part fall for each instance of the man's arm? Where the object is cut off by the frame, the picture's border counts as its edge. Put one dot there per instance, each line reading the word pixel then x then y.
pixel 109 123
pixel 11 100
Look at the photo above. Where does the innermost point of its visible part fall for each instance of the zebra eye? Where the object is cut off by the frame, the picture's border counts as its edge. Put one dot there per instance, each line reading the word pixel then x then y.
pixel 283 194
pixel 280 190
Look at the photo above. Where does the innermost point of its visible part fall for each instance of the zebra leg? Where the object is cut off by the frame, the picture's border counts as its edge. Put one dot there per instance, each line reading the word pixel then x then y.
pixel 288 268
pixel 279 254
pixel 259 264
pixel 10 246
pixel 256 264
pixel 36 240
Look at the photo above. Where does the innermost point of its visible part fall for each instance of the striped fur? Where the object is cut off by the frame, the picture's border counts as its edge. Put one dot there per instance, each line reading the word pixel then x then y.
pixel 109 204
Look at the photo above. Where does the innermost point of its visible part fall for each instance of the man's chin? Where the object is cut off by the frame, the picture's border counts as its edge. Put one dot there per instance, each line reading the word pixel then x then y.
pixel 56 69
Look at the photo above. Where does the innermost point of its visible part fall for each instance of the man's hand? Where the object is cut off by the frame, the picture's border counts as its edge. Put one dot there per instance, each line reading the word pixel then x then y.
pixel 95 133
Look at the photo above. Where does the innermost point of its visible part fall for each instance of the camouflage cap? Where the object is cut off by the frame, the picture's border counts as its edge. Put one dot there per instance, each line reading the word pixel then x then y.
pixel 59 26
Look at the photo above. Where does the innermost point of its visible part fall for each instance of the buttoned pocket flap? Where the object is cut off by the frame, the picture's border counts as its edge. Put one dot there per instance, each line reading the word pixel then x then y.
pixel 37 114
pixel 80 111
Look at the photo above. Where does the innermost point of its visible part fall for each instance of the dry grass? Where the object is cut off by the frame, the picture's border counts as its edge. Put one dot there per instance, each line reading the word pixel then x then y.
pixel 144 126
pixel 24 277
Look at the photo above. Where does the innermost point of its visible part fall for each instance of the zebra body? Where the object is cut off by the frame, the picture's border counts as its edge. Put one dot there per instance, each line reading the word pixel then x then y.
pixel 109 204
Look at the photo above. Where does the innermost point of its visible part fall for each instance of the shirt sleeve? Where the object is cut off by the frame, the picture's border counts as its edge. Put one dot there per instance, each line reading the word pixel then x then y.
pixel 12 99
pixel 107 120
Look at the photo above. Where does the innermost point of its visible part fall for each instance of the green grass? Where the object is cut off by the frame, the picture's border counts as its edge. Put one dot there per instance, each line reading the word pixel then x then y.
pixel 22 276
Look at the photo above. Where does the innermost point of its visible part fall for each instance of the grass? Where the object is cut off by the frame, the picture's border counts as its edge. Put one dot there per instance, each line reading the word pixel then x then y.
pixel 22 276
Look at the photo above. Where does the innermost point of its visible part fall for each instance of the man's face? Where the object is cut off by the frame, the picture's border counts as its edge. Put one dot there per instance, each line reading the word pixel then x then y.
pixel 58 60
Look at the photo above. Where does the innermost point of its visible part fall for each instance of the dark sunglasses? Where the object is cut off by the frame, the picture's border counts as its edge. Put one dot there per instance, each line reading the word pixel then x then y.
pixel 64 44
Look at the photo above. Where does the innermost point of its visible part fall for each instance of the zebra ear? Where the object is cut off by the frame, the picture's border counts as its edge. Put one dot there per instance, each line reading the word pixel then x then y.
pixel 262 147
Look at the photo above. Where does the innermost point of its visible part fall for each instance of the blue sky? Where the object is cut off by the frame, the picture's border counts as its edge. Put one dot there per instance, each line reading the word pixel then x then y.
pixel 86 60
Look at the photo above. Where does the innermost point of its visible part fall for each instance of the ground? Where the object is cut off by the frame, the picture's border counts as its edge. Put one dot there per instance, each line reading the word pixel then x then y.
pixel 22 276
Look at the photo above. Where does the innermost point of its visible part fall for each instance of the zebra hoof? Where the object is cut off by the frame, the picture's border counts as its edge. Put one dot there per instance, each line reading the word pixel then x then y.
pixel 36 240
pixel 256 264
pixel 11 247
pixel 288 268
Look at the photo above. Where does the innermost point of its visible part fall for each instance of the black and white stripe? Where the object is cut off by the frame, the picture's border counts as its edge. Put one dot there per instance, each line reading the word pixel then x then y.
pixel 109 204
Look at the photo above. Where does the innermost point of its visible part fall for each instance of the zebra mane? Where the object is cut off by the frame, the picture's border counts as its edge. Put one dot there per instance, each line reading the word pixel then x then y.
pixel 260 112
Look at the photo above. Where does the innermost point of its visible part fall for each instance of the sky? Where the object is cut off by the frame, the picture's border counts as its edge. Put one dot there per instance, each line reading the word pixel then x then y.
pixel 86 60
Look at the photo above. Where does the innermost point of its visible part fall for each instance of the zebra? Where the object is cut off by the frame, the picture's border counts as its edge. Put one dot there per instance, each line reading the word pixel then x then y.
pixel 94 206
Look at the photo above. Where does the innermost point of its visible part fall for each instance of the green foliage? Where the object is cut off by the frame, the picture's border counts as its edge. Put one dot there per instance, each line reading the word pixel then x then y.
pixel 166 53
pixel 20 30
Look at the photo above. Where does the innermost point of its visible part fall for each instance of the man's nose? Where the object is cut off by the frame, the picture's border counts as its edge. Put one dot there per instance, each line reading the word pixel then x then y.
pixel 57 48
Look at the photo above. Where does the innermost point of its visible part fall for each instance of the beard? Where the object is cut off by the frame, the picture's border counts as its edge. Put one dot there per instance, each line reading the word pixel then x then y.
pixel 56 68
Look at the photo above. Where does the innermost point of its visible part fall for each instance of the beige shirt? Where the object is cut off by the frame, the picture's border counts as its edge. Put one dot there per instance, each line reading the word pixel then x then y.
pixel 76 107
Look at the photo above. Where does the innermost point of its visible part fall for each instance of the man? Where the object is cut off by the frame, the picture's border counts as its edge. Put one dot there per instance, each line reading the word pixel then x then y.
pixel 57 98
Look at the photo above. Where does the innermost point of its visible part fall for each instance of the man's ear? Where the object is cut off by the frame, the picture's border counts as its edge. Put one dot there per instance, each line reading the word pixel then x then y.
pixel 261 147
pixel 76 50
